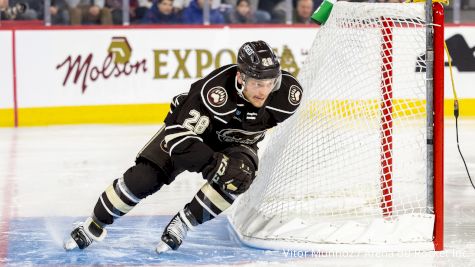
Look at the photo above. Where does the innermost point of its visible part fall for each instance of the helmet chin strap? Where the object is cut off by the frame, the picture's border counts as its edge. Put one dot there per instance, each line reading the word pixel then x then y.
pixel 240 90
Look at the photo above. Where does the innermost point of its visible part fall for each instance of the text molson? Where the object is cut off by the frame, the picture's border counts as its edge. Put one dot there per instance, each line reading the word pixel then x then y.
pixel 85 72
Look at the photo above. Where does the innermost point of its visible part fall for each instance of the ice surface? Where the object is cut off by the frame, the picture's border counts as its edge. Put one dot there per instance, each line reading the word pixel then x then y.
pixel 51 177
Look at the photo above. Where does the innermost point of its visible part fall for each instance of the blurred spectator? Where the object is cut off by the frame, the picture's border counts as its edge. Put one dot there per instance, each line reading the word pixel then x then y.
pixel 267 5
pixel 115 7
pixel 243 14
pixel 276 8
pixel 59 10
pixel 3 7
pixel 179 5
pixel 161 13
pixel 303 11
pixel 193 14
pixel 34 10
pixel 252 3
pixel 137 9
pixel 90 12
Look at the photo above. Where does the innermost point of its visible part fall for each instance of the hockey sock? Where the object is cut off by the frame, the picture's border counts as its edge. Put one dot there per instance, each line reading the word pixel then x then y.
pixel 209 202
pixel 114 202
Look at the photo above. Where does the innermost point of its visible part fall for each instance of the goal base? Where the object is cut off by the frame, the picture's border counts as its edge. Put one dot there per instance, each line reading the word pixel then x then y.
pixel 406 233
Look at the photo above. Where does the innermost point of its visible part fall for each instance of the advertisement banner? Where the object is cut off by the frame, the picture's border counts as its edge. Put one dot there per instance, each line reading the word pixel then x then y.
pixel 77 68
pixel 129 75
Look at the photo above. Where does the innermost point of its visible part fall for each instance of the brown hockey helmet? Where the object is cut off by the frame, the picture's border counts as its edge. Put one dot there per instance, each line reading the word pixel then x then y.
pixel 257 60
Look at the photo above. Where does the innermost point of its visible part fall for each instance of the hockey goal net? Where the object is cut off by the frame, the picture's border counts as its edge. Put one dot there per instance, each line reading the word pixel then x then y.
pixel 352 170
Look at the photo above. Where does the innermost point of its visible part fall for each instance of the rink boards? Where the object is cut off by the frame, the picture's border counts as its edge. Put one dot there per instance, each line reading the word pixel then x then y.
pixel 129 75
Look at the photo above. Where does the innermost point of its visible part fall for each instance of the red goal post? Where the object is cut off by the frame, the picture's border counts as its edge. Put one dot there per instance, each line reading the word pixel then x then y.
pixel 438 157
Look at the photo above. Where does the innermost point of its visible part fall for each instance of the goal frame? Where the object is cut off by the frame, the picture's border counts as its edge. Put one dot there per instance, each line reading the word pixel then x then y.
pixel 432 63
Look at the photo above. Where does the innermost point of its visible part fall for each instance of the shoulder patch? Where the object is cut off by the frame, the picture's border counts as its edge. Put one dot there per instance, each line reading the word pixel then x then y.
pixel 217 96
pixel 295 95
pixel 216 92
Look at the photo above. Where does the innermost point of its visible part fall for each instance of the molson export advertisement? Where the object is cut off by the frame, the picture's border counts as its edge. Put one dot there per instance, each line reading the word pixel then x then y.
pixel 57 76
pixel 128 75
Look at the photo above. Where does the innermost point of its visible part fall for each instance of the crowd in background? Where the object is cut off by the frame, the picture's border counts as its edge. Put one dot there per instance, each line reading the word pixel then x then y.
pixel 108 12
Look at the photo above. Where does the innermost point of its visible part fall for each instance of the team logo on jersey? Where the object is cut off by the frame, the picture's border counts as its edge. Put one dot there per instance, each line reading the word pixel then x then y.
pixel 217 96
pixel 295 95
pixel 240 136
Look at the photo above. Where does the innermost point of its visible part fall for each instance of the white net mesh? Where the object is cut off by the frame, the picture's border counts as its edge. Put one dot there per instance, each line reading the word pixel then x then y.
pixel 350 166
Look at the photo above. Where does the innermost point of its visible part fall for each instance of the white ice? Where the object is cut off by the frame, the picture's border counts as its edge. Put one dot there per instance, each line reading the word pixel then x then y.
pixel 61 170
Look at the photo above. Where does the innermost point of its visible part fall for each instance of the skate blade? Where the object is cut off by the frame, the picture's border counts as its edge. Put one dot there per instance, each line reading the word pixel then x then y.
pixel 162 247
pixel 70 244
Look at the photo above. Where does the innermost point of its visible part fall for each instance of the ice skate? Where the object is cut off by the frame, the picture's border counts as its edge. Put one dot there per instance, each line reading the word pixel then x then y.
pixel 176 231
pixel 83 235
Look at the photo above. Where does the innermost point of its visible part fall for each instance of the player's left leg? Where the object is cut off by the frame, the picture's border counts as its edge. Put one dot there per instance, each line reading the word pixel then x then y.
pixel 206 205
pixel 211 200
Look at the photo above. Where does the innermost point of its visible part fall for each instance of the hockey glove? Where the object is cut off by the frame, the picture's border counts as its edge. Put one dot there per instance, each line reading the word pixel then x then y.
pixel 232 174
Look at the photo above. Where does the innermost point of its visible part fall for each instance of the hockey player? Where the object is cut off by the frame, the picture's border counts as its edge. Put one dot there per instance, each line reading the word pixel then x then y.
pixel 214 130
